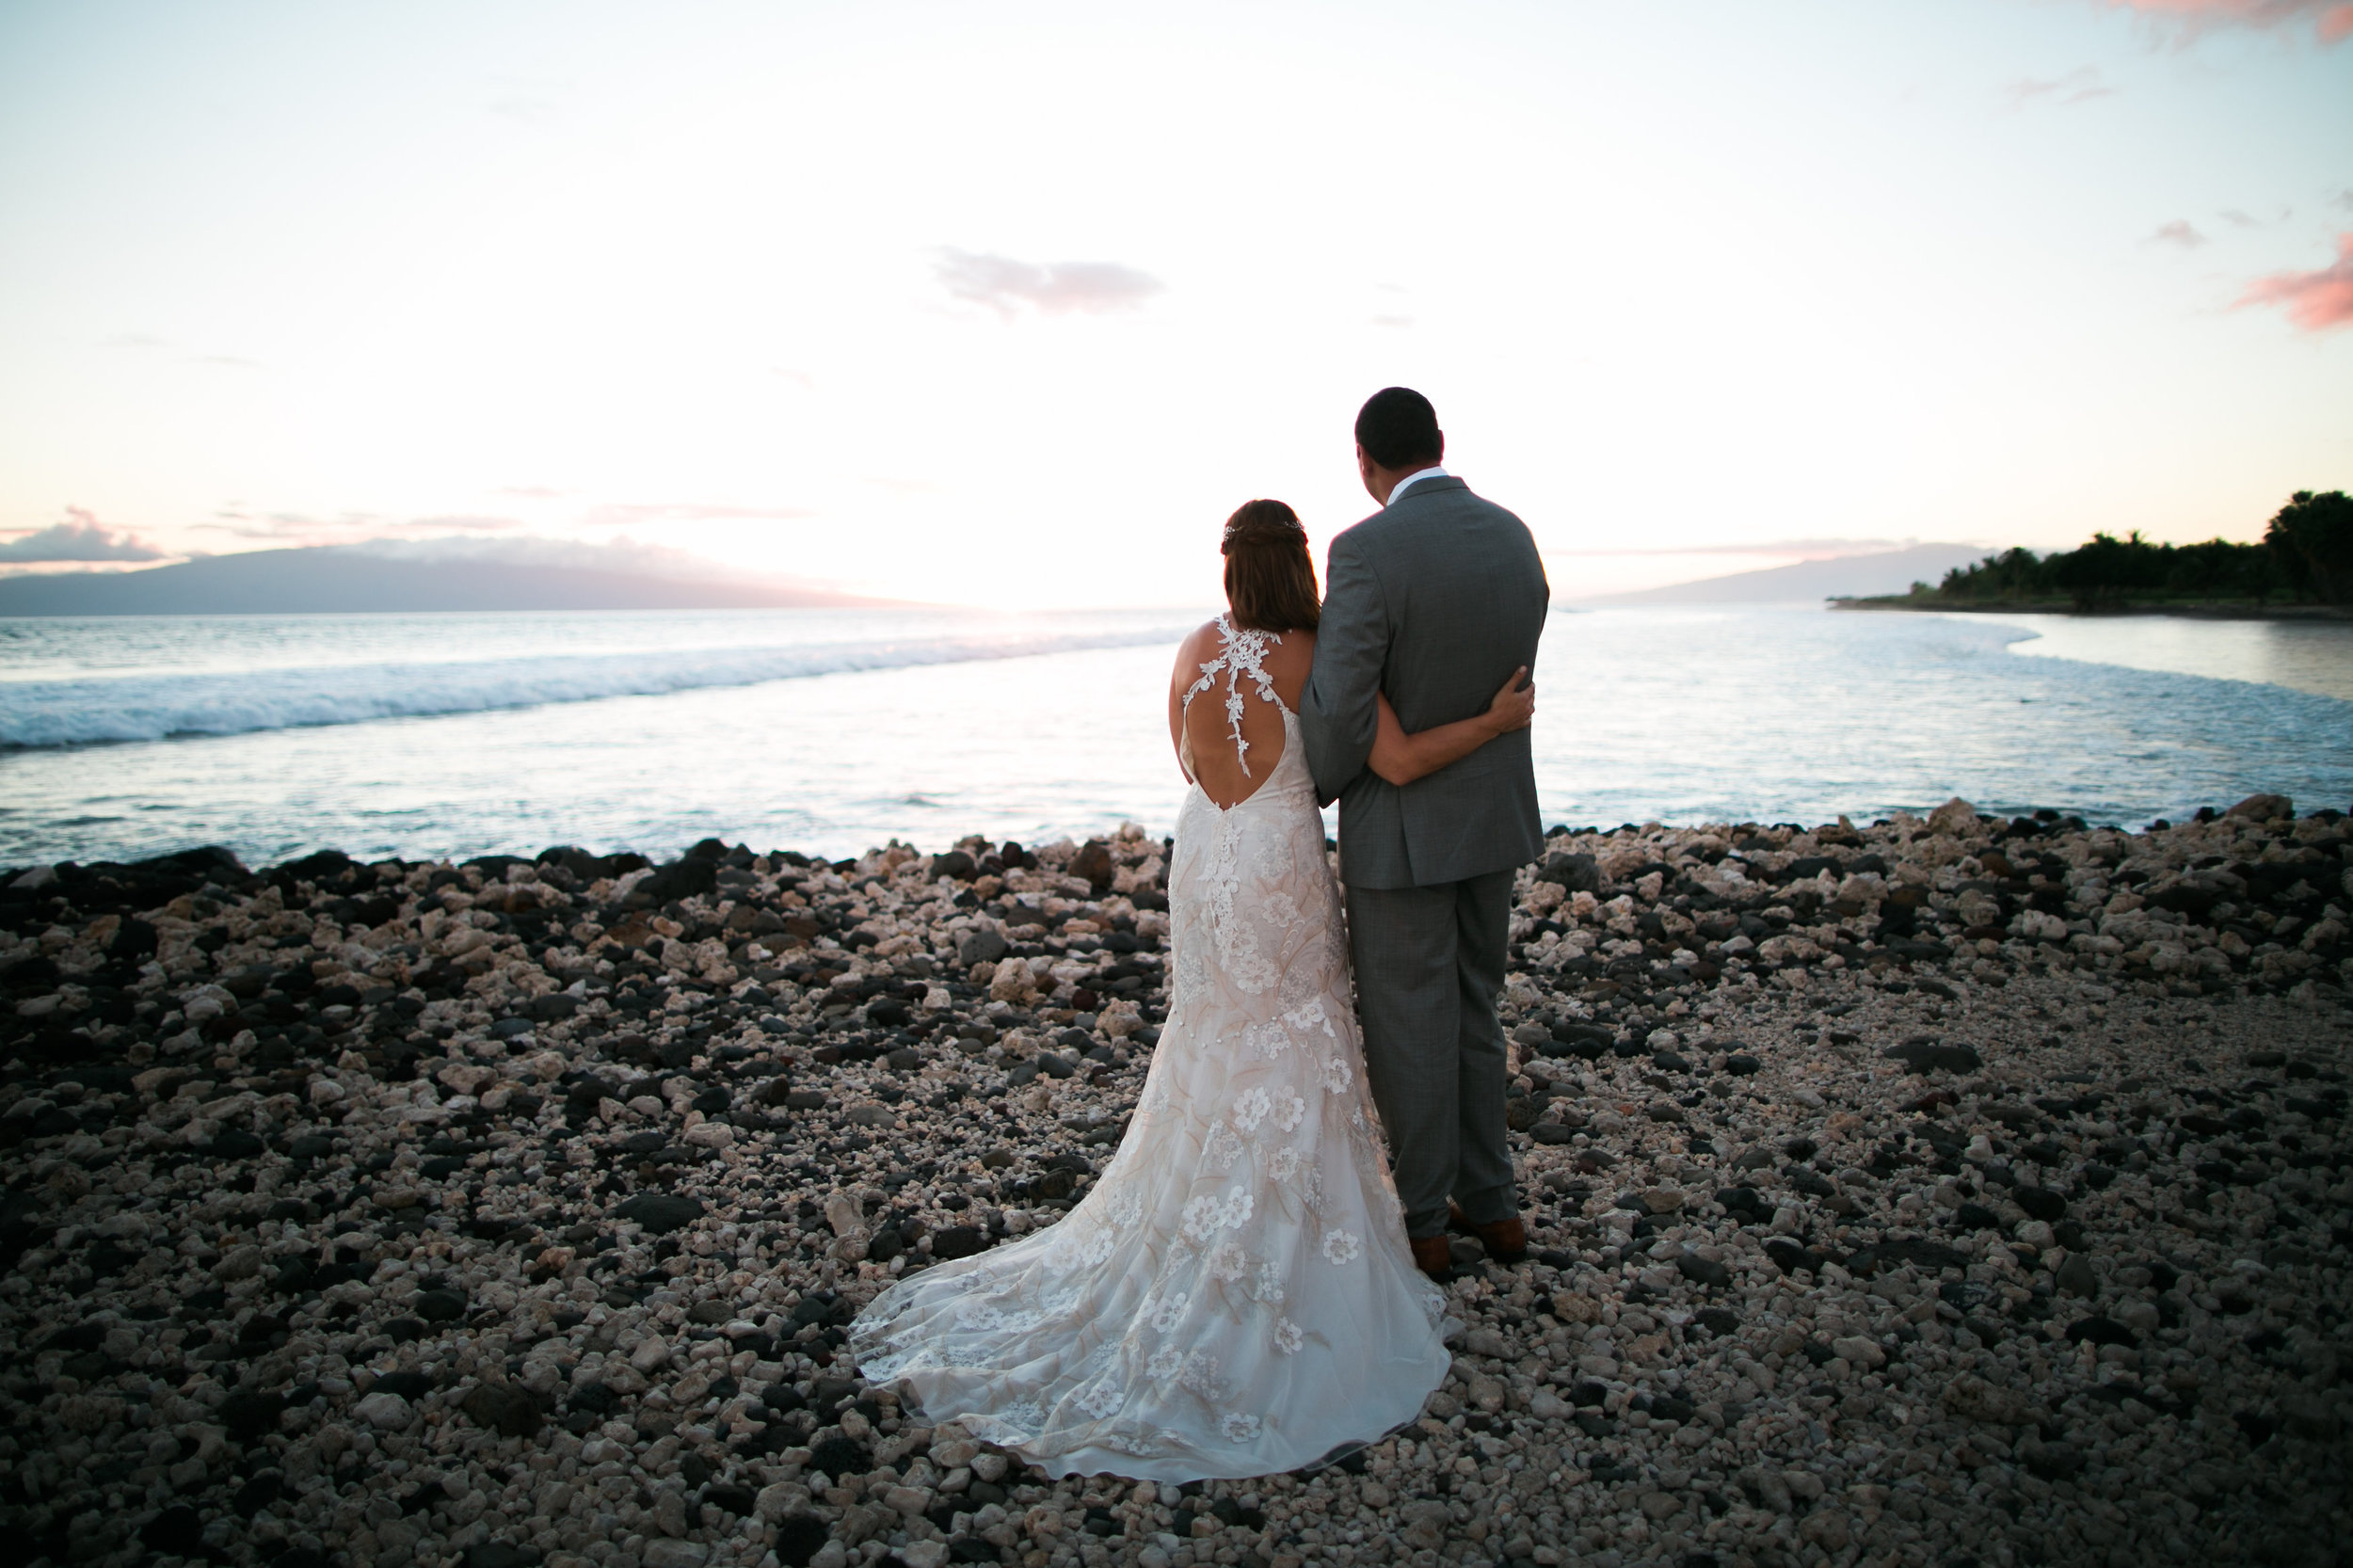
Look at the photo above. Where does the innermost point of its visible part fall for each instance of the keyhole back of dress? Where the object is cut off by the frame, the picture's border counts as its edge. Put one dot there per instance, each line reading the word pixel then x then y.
pixel 1233 741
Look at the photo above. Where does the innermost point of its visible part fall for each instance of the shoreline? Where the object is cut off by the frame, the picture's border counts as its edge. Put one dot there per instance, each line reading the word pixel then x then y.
pixel 1942 1185
pixel 2325 613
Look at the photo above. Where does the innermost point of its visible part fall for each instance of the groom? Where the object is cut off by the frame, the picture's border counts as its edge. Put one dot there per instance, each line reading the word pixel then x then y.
pixel 1434 599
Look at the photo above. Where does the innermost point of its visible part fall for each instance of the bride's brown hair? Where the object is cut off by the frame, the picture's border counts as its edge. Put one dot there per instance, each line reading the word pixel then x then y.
pixel 1270 580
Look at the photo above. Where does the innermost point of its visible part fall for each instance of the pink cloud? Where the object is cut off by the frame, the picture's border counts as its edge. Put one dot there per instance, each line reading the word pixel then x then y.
pixel 2315 301
pixel 2332 20
pixel 1057 288
pixel 620 516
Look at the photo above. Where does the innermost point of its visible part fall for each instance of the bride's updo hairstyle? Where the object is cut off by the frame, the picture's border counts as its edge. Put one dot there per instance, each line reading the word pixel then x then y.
pixel 1270 581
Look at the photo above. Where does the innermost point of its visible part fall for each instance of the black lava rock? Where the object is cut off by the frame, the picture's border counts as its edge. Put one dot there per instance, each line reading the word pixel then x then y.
pixel 174 1532
pixel 1928 1056
pixel 659 1212
pixel 2039 1203
pixel 440 1307
pixel 802 1536
pixel 502 1408
pixel 839 1456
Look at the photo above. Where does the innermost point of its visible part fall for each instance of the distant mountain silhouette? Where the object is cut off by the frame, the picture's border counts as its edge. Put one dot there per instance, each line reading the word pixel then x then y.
pixel 1889 571
pixel 347 579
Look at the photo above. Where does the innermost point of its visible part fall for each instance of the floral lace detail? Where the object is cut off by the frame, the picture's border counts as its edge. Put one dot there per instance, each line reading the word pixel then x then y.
pixel 1308 1017
pixel 1267 1041
pixel 1240 1428
pixel 1200 1376
pixel 1223 1149
pixel 1287 1336
pixel 1141 1444
pixel 1208 1214
pixel 1242 653
pixel 1340 1247
pixel 1237 939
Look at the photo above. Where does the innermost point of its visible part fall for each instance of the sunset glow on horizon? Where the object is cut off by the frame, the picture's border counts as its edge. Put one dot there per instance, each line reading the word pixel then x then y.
pixel 1013 305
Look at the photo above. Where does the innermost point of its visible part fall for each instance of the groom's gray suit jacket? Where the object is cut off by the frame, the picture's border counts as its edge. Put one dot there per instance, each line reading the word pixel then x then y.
pixel 1434 601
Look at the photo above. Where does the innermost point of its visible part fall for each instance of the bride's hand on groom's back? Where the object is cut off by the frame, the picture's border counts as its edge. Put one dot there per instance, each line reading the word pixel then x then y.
pixel 1514 707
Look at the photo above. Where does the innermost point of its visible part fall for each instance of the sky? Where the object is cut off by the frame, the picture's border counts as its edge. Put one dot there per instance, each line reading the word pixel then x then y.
pixel 1013 304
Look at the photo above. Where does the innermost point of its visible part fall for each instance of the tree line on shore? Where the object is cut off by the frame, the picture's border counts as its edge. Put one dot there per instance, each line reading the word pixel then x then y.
pixel 2305 556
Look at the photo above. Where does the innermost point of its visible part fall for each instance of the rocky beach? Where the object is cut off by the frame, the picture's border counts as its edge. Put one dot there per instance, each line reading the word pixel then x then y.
pixel 1940 1189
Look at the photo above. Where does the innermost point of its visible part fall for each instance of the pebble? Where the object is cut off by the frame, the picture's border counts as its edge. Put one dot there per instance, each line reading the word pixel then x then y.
pixel 425 1213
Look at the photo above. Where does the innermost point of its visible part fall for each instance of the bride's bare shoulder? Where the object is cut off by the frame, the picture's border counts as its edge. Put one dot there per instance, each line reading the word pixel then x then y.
pixel 1199 646
pixel 1202 643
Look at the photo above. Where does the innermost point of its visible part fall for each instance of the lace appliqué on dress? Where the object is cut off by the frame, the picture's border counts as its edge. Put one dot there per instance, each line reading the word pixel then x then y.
pixel 1242 653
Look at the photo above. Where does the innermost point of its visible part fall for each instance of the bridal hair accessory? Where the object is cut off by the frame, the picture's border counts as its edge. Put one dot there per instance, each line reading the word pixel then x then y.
pixel 1263 522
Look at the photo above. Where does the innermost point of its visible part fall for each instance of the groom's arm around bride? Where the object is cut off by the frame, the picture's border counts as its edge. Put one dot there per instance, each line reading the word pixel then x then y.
pixel 1432 601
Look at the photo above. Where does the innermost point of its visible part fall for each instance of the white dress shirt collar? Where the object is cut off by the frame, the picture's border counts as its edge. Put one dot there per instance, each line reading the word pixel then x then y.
pixel 1432 472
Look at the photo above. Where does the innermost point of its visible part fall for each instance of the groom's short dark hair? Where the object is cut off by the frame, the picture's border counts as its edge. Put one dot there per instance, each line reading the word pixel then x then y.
pixel 1398 429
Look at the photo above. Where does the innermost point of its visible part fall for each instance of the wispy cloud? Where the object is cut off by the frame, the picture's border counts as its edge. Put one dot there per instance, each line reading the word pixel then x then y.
pixel 2316 302
pixel 1055 288
pixel 2178 233
pixel 1392 321
pixel 295 528
pixel 532 549
pixel 2331 20
pixel 299 528
pixel 80 538
pixel 464 523
pixel 1812 550
pixel 2077 87
pixel 687 511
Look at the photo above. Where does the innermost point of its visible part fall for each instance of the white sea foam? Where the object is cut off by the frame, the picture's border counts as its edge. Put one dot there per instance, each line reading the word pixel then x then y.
pixel 35 715
pixel 1689 713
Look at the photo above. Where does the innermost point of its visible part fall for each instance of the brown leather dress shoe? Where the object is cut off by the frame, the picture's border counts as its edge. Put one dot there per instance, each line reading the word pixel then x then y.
pixel 1433 1254
pixel 1506 1241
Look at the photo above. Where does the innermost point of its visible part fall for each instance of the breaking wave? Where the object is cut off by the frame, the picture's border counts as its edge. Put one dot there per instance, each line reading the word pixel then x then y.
pixel 35 715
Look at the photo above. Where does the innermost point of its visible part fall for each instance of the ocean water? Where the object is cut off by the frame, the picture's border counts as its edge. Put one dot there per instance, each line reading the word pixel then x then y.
pixel 833 732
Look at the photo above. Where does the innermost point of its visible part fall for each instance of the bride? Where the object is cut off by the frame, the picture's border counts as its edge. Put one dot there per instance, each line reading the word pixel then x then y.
pixel 1235 1296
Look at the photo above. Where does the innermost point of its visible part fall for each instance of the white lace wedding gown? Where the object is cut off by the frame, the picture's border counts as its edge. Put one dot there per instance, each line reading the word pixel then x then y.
pixel 1235 1296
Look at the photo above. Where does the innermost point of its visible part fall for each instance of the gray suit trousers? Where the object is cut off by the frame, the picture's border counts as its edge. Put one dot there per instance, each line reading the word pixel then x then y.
pixel 1428 967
